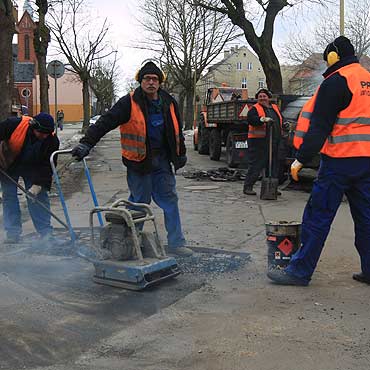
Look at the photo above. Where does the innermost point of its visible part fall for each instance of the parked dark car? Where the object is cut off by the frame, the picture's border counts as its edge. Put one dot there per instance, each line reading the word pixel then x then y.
pixel 291 113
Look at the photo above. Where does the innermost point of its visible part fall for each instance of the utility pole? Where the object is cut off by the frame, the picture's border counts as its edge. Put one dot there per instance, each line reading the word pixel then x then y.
pixel 341 17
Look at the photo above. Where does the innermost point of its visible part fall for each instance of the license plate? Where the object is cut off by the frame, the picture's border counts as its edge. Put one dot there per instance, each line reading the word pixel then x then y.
pixel 241 145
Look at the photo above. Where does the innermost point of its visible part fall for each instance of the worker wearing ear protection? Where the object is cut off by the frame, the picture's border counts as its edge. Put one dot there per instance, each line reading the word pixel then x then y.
pixel 151 139
pixel 26 145
pixel 336 122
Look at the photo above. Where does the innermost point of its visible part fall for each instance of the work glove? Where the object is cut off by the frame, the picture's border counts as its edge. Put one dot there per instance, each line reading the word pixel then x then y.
pixel 295 168
pixel 182 161
pixel 35 190
pixel 286 126
pixel 81 150
pixel 266 119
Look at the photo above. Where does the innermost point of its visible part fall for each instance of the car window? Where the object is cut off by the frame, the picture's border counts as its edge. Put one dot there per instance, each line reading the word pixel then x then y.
pixel 292 110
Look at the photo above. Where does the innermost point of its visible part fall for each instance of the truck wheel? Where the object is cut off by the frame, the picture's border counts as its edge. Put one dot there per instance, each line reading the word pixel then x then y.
pixel 229 151
pixel 203 138
pixel 215 144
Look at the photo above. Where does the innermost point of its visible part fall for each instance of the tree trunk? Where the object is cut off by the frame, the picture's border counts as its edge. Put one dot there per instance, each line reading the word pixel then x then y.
pixel 181 104
pixel 86 104
pixel 41 43
pixel 6 59
pixel 189 110
pixel 271 68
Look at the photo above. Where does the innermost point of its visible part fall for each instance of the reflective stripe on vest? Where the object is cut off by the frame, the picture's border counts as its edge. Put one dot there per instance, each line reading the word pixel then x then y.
pixel 303 122
pixel 133 133
pixel 258 132
pixel 19 134
pixel 350 136
pixel 176 128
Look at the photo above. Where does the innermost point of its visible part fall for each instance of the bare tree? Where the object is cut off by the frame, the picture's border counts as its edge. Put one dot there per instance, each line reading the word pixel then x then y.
pixel 188 39
pixel 41 42
pixel 7 31
pixel 104 83
pixel 247 15
pixel 81 42
pixel 357 29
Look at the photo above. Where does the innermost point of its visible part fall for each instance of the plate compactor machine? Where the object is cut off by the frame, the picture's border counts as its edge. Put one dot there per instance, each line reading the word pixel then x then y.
pixel 125 256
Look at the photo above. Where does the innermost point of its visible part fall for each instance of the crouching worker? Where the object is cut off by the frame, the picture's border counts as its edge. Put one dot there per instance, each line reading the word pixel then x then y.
pixel 26 144
pixel 151 139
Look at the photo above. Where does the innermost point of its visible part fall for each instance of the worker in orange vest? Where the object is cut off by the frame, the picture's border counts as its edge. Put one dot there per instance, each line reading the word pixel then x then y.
pixel 151 139
pixel 336 122
pixel 262 117
pixel 26 144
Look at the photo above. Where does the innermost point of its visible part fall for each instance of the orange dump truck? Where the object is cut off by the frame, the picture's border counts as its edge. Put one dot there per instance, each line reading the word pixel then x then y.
pixel 221 121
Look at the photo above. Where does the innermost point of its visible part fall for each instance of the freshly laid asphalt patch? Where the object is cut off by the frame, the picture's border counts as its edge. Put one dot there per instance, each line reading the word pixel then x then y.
pixel 51 311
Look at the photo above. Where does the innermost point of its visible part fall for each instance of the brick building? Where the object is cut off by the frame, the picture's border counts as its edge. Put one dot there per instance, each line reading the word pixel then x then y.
pixel 25 62
pixel 26 78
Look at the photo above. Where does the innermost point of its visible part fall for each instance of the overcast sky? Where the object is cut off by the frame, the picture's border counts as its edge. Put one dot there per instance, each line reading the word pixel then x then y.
pixel 125 30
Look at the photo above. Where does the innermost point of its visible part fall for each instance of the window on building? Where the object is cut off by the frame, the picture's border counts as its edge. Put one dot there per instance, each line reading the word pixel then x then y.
pixel 249 66
pixel 238 66
pixel 261 84
pixel 244 82
pixel 26 47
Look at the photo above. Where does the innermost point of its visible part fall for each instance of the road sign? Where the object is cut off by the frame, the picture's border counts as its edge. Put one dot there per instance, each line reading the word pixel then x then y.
pixel 244 111
pixel 26 93
pixel 55 69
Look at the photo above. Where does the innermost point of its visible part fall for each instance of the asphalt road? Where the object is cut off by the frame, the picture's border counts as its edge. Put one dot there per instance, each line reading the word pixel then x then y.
pixel 220 314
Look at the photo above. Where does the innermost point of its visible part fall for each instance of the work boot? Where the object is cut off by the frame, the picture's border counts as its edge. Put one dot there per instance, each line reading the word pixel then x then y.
pixel 248 190
pixel 180 251
pixel 281 277
pixel 361 278
pixel 12 239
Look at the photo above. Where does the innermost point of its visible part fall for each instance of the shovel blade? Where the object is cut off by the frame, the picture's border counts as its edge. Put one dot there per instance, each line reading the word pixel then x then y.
pixel 269 188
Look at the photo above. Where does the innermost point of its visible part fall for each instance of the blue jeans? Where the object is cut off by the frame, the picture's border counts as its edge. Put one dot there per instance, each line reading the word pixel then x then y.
pixel 12 213
pixel 159 185
pixel 337 176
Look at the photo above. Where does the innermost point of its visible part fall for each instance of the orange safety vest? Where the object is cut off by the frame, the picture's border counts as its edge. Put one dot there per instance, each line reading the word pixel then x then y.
pixel 133 133
pixel 350 136
pixel 258 132
pixel 19 134
pixel 303 122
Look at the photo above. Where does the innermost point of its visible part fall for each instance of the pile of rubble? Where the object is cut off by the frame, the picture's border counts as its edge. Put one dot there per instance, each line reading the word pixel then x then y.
pixel 220 174
pixel 212 265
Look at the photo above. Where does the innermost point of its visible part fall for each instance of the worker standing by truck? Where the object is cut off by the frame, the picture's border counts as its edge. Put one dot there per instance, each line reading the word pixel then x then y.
pixel 262 117
pixel 338 125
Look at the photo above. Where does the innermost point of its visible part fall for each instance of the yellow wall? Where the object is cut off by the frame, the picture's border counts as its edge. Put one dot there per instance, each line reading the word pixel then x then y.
pixel 72 112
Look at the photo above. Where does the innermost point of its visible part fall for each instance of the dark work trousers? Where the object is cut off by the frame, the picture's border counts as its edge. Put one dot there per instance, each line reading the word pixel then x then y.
pixel 12 212
pixel 337 176
pixel 258 159
pixel 159 185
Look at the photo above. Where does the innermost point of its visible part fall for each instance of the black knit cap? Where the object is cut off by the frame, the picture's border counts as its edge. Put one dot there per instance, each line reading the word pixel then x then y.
pixel 43 122
pixel 340 45
pixel 150 69
pixel 267 92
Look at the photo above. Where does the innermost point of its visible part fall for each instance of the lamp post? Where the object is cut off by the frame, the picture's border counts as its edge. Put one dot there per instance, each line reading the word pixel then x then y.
pixel 341 17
